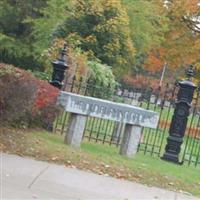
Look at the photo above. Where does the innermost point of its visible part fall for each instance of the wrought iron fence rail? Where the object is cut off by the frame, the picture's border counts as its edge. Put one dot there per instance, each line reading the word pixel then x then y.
pixel 153 141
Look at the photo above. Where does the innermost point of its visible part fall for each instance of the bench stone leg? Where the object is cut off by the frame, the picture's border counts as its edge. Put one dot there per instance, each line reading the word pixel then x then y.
pixel 130 140
pixel 75 130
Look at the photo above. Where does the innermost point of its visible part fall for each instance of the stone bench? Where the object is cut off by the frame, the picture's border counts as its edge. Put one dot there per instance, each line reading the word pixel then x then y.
pixel 81 107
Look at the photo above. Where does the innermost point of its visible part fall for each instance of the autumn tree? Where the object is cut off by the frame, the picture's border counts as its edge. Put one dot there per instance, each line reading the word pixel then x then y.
pixel 181 44
pixel 182 41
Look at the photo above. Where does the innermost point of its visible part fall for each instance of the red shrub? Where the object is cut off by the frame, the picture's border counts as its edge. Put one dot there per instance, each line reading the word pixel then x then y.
pixel 46 94
pixel 24 99
pixel 17 94
pixel 45 108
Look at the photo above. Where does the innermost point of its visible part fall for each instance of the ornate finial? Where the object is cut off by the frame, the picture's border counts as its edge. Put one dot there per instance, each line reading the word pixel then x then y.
pixel 190 72
pixel 63 53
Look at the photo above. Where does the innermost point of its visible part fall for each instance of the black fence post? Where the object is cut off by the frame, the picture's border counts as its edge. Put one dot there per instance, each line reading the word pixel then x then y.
pixel 179 120
pixel 59 67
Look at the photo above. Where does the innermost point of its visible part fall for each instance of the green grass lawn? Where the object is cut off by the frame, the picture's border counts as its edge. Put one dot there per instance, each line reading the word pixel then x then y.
pixel 146 164
pixel 153 140
pixel 102 159
pixel 149 168
pixel 142 168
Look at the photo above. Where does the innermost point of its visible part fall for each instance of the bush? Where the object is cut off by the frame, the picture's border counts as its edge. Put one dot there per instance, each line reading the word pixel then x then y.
pixel 45 109
pixel 16 95
pixel 101 79
pixel 24 99
pixel 101 73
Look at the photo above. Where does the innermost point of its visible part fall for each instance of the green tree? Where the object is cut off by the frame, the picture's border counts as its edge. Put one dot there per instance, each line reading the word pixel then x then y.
pixel 102 29
pixel 54 14
pixel 15 39
pixel 148 25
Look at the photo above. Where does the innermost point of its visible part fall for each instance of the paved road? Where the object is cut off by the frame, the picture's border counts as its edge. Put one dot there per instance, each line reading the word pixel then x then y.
pixel 25 178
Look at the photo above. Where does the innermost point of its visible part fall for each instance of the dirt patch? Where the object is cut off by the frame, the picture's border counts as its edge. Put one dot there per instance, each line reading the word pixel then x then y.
pixel 12 140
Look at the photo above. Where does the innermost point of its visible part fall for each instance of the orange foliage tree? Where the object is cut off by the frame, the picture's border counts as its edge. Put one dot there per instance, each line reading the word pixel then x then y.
pixel 141 82
pixel 182 40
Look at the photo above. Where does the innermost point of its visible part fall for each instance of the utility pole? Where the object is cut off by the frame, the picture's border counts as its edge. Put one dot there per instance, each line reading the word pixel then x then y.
pixel 163 73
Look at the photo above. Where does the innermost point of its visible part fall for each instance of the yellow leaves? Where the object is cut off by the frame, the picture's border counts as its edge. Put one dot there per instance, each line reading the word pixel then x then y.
pixel 112 3
pixel 197 66
pixel 129 46
pixel 114 24
pixel 94 8
pixel 197 73
pixel 77 60
pixel 111 48
pixel 91 38
pixel 197 44
pixel 184 7
pixel 52 53
pixel 114 45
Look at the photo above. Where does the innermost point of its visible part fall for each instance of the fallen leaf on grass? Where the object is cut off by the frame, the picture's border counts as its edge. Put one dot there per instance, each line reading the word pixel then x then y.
pixel 37 142
pixel 69 162
pixel 129 175
pixel 100 172
pixel 120 176
pixel 106 175
pixel 54 158
pixel 85 162
pixel 107 166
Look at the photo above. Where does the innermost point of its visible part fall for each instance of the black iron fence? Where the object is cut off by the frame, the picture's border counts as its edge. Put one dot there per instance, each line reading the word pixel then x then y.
pixel 153 141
